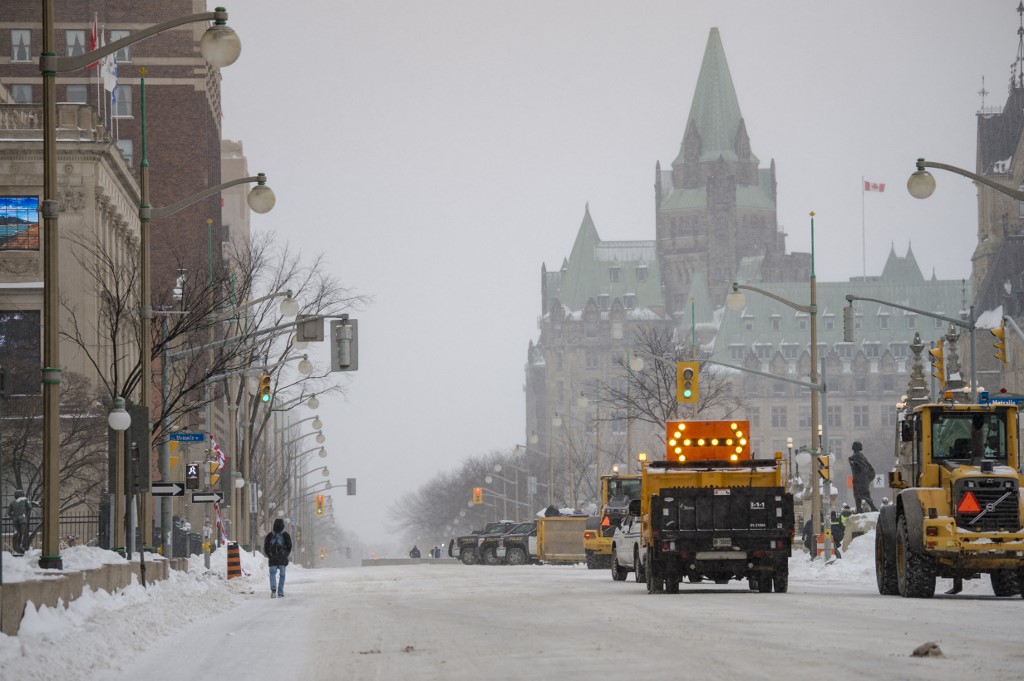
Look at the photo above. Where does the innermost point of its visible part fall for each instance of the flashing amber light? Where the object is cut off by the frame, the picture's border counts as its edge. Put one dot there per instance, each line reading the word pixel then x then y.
pixel 642 456
pixel 672 442
pixel 739 450
pixel 743 440
pixel 739 433
pixel 729 442
pixel 700 442
pixel 687 442
pixel 682 457
pixel 714 442
pixel 734 457
pixel 733 426
pixel 968 504
pixel 677 450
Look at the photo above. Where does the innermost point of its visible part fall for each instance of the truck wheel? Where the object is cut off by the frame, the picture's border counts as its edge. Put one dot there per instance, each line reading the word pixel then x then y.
pixel 764 583
pixel 490 557
pixel 885 572
pixel 593 560
pixel 638 568
pixel 780 580
pixel 515 556
pixel 753 582
pixel 468 556
pixel 915 572
pixel 1004 582
pixel 672 585
pixel 618 573
pixel 655 581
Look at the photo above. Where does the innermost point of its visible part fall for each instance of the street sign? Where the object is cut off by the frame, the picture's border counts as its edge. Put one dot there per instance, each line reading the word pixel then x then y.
pixel 207 497
pixel 167 489
pixel 187 437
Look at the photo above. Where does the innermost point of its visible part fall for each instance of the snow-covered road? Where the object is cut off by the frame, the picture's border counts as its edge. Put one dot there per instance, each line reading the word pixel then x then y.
pixel 449 621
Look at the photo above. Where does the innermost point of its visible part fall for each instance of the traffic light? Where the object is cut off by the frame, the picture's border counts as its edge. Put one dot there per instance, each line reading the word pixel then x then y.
pixel 344 344
pixel 939 363
pixel 265 387
pixel 1000 343
pixel 478 496
pixel 319 504
pixel 350 485
pixel 823 471
pixel 687 375
pixel 323 553
pixel 848 335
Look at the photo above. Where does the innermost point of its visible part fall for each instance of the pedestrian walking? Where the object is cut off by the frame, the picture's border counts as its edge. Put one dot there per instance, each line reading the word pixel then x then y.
pixel 838 532
pixel 808 538
pixel 276 547
pixel 20 513
pixel 863 476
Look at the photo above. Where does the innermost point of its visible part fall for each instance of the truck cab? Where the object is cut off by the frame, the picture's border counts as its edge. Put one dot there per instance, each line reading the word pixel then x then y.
pixel 616 491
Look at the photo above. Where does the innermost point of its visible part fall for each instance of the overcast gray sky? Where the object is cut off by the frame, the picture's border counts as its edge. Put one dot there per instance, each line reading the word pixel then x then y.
pixel 439 152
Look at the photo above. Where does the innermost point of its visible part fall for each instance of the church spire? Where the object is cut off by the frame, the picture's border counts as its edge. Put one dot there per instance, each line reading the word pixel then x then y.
pixel 715 122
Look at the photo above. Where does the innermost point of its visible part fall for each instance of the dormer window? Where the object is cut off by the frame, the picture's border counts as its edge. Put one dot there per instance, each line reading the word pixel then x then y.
pixel 602 301
pixel 911 320
pixel 748 322
pixel 883 320
pixel 830 322
pixel 613 273
pixel 641 273
pixel 776 322
pixel 629 301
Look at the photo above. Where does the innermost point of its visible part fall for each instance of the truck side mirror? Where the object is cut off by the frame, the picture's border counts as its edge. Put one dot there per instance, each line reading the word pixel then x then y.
pixel 906 431
pixel 634 507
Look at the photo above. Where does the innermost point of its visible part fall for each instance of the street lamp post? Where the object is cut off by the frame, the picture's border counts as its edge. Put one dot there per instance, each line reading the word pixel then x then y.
pixel 220 47
pixel 556 422
pixel 736 301
pixel 119 420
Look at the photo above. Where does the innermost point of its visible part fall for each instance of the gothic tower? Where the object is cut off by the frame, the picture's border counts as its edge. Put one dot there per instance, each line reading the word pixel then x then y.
pixel 715 206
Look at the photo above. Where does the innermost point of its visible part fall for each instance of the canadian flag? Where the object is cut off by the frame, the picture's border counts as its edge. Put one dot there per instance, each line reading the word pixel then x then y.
pixel 94 40
pixel 874 186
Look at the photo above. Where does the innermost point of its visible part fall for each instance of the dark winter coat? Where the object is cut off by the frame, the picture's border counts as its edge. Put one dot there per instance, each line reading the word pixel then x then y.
pixel 19 509
pixel 863 471
pixel 278 529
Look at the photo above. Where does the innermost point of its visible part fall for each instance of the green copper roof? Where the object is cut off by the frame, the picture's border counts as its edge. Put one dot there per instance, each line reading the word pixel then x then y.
pixel 604 271
pixel 902 269
pixel 747 196
pixel 715 109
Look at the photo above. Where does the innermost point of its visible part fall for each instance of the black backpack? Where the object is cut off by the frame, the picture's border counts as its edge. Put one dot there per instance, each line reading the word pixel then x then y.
pixel 275 548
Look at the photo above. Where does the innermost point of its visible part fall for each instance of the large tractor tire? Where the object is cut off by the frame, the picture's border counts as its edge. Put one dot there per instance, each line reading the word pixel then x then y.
pixel 885 570
pixel 915 572
pixel 618 573
pixel 1005 582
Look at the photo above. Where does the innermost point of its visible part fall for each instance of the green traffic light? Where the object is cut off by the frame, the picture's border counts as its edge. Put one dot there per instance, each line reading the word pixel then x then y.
pixel 265 398
pixel 687 393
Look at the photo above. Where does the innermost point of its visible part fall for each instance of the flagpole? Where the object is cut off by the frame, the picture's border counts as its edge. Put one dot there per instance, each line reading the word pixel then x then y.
pixel 863 232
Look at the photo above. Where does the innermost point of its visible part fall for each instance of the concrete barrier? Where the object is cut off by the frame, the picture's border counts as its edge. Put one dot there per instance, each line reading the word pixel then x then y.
pixel 62 588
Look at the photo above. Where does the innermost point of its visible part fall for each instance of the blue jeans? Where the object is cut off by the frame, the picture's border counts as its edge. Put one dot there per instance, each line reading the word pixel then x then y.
pixel 277 572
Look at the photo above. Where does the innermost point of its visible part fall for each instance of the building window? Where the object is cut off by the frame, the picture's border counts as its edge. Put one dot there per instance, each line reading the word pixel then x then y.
pixel 883 321
pixel 641 273
pixel 844 350
pixel 737 352
pixel 126 150
pixel 778 388
pixel 871 350
pixel 860 384
pixel 911 321
pixel 754 416
pixel 887 383
pixel 860 416
pixel 592 359
pixel 76 42
pixel 898 350
pixel 125 53
pixel 835 416
pixel 22 94
pixel 617 330
pixel 629 301
pixel 20 350
pixel 803 416
pixel 778 417
pixel 764 352
pixel 776 323
pixel 121 101
pixel 938 323
pixel 801 321
pixel 748 322
pixel 887 416
pixel 76 94
pixel 21 45
pixel 790 351
pixel 602 301
pixel 19 224
pixel 835 445
pixel 613 273
pixel 830 322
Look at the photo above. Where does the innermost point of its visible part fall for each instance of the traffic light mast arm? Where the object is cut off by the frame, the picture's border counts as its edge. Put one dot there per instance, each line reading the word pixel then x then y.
pixel 1012 324
pixel 175 356
pixel 969 324
pixel 819 387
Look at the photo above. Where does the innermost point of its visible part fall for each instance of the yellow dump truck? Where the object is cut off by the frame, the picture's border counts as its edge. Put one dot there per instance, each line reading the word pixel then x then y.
pixel 616 492
pixel 958 508
pixel 560 539
pixel 708 511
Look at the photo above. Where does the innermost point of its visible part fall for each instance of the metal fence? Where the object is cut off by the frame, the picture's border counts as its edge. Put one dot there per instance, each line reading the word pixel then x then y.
pixel 81 528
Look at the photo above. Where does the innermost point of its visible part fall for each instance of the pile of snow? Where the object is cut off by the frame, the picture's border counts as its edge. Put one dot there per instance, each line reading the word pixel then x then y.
pixel 102 631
